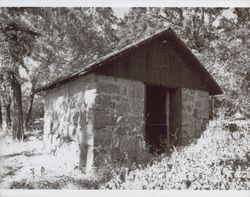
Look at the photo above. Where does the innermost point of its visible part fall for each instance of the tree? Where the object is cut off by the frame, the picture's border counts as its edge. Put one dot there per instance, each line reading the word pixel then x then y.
pixel 227 57
pixel 137 24
pixel 71 38
pixel 1 115
pixel 5 100
pixel 220 42
pixel 19 40
pixel 194 25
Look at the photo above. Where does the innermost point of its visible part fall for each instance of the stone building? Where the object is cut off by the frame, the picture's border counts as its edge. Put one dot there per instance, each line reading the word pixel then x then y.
pixel 144 97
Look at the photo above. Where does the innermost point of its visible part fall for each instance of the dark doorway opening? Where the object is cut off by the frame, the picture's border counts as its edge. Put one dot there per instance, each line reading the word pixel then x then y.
pixel 157 118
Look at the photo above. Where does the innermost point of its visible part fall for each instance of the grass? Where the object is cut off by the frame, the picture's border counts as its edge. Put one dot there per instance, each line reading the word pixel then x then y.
pixel 219 160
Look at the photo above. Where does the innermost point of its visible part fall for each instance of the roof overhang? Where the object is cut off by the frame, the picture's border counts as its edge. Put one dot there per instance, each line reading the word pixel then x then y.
pixel 215 89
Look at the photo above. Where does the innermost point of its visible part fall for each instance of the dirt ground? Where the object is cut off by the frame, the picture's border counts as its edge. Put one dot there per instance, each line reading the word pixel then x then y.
pixel 25 165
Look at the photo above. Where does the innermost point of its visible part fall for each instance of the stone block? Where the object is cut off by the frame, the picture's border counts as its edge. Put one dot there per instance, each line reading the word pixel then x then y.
pixel 82 118
pixel 124 90
pixel 83 154
pixel 193 140
pixel 86 156
pixel 122 129
pixel 184 141
pixel 137 107
pixel 117 155
pixel 123 108
pixel 102 138
pixel 198 103
pixel 102 156
pixel 184 97
pixel 189 108
pixel 198 134
pixel 204 124
pixel 203 113
pixel 103 118
pixel 89 86
pixel 104 102
pixel 195 113
pixel 198 124
pixel 116 98
pixel 187 119
pixel 129 145
pixel 194 123
pixel 204 103
pixel 202 94
pixel 138 92
pixel 108 88
pixel 184 133
pixel 188 131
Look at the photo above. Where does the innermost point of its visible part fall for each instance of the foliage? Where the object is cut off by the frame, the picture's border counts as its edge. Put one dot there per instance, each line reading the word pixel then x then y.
pixel 218 36
pixel 193 25
pixel 70 38
pixel 219 160
pixel 227 60
pixel 73 37
pixel 18 40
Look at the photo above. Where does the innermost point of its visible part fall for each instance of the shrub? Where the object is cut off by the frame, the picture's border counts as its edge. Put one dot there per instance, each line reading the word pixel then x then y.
pixel 219 160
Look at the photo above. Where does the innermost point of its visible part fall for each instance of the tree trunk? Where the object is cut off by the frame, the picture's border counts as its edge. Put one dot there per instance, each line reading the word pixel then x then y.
pixel 17 121
pixel 1 115
pixel 8 116
pixel 5 111
pixel 28 117
pixel 29 114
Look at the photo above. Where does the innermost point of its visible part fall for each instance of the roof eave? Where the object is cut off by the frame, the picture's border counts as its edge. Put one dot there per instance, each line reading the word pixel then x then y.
pixel 99 62
pixel 214 90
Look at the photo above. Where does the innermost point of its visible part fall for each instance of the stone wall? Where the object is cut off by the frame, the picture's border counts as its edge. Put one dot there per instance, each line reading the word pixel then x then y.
pixel 99 119
pixel 95 119
pixel 118 119
pixel 67 120
pixel 195 114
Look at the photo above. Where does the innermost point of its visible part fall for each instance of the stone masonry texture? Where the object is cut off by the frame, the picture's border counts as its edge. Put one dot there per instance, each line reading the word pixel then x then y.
pixel 112 128
pixel 118 119
pixel 194 114
pixel 67 119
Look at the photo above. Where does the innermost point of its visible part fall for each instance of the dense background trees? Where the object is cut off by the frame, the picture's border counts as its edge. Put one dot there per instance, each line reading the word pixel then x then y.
pixel 41 44
pixel 18 41
pixel 218 36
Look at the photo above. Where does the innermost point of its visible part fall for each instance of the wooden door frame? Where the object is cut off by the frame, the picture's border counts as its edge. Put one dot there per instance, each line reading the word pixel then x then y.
pixel 174 127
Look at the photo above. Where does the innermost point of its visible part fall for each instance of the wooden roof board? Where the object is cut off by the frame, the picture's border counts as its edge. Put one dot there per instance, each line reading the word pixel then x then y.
pixel 215 89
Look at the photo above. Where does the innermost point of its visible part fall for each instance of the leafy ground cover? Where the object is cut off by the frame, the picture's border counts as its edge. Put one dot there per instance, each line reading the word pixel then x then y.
pixel 218 160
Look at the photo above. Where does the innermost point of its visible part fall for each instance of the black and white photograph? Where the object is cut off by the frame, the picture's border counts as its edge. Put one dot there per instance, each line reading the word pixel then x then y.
pixel 124 98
